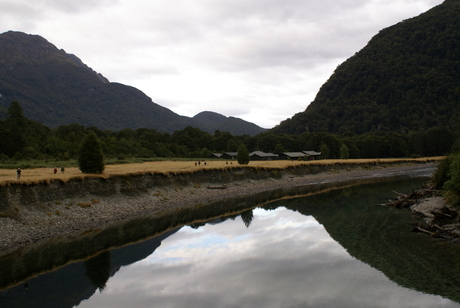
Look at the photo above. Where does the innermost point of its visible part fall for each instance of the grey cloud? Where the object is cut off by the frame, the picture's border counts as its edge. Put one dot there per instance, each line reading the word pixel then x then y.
pixel 72 6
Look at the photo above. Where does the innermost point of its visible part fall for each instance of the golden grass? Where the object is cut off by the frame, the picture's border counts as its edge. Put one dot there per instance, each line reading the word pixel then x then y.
pixel 29 176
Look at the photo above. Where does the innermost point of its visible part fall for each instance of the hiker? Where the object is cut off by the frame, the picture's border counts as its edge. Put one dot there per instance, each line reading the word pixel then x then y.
pixel 62 169
pixel 55 170
pixel 18 173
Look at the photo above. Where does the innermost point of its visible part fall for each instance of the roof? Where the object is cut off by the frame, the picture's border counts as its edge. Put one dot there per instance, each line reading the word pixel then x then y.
pixel 263 154
pixel 312 153
pixel 294 154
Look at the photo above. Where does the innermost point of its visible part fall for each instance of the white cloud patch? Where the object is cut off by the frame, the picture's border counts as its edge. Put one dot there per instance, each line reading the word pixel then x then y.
pixel 261 60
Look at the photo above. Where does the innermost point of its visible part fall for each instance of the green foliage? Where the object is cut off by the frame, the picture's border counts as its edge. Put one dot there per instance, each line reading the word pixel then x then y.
pixel 452 185
pixel 36 141
pixel 232 145
pixel 353 149
pixel 243 155
pixel 344 152
pixel 324 149
pixel 441 175
pixel 90 156
pixel 279 149
pixel 16 114
pixel 437 140
pixel 404 80
pixel 205 153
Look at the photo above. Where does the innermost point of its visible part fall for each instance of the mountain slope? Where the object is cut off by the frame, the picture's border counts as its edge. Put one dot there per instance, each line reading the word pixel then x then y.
pixel 406 78
pixel 56 88
pixel 215 121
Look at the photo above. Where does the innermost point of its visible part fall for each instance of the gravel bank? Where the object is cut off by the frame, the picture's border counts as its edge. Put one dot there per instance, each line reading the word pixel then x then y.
pixel 72 215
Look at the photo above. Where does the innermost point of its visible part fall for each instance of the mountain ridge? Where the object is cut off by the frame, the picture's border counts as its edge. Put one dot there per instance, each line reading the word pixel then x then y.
pixel 405 79
pixel 57 88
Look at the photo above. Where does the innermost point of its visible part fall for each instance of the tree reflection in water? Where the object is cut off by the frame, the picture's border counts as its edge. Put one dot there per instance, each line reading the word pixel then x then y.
pixel 247 217
pixel 97 269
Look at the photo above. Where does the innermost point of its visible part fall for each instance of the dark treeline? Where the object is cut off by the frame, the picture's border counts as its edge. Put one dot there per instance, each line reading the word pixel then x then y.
pixel 21 139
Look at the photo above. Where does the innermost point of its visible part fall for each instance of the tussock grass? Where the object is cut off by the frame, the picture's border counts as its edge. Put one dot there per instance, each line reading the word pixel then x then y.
pixel 31 176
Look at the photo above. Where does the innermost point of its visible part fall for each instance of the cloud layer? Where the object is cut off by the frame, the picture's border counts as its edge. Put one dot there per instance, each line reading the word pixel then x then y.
pixel 262 61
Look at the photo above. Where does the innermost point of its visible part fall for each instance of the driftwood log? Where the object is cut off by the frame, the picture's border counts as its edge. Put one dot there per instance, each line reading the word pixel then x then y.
pixel 440 222
pixel 414 197
pixel 217 187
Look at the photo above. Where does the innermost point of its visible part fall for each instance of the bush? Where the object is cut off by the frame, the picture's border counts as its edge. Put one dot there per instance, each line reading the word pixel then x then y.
pixel 91 158
pixel 441 176
pixel 243 155
pixel 452 185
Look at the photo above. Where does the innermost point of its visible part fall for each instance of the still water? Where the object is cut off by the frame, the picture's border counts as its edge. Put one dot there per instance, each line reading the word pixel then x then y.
pixel 335 249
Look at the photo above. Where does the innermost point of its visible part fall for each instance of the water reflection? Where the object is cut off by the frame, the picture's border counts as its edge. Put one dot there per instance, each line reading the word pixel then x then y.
pixel 330 250
pixel 283 260
pixel 97 269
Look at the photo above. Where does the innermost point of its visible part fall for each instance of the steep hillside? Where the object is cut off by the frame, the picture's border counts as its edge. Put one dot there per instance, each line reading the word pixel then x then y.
pixel 406 78
pixel 215 121
pixel 56 88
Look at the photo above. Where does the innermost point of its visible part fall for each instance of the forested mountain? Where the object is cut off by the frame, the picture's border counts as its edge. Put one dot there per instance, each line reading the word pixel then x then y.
pixel 25 139
pixel 406 79
pixel 215 121
pixel 56 88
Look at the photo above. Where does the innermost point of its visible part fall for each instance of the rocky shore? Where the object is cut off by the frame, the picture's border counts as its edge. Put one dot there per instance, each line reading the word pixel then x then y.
pixel 64 216
pixel 436 218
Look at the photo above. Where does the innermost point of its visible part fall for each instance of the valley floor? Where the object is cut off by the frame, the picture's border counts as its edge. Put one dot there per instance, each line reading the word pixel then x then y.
pixel 66 217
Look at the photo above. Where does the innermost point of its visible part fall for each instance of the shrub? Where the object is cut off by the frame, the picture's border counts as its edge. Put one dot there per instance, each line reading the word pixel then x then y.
pixel 452 185
pixel 91 158
pixel 440 176
pixel 243 155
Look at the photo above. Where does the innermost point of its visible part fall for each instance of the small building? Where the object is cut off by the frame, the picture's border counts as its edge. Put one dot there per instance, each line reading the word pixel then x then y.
pixel 258 155
pixel 215 155
pixel 312 155
pixel 229 155
pixel 293 155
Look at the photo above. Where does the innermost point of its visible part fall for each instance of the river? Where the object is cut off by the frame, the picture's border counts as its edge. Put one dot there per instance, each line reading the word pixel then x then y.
pixel 339 248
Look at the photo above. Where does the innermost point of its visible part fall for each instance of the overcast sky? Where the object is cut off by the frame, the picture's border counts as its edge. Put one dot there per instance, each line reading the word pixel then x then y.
pixel 259 60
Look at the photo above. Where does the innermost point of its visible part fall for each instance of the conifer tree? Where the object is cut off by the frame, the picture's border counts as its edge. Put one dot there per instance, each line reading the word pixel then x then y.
pixel 243 155
pixel 344 152
pixel 90 156
pixel 324 151
pixel 16 114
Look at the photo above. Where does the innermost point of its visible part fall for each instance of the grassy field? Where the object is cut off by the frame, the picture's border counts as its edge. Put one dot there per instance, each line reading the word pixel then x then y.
pixel 30 175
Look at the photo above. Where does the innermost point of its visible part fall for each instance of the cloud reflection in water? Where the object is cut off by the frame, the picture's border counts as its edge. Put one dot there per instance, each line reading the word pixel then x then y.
pixel 283 259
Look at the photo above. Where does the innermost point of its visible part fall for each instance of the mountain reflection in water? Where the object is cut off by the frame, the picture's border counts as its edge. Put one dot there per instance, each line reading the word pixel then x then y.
pixel 335 249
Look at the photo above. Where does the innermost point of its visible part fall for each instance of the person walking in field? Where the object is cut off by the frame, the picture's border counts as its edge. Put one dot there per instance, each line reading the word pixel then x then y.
pixel 62 169
pixel 18 173
pixel 55 170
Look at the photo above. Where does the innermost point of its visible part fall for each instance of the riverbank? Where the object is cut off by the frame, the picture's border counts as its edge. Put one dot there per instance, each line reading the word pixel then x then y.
pixel 31 223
